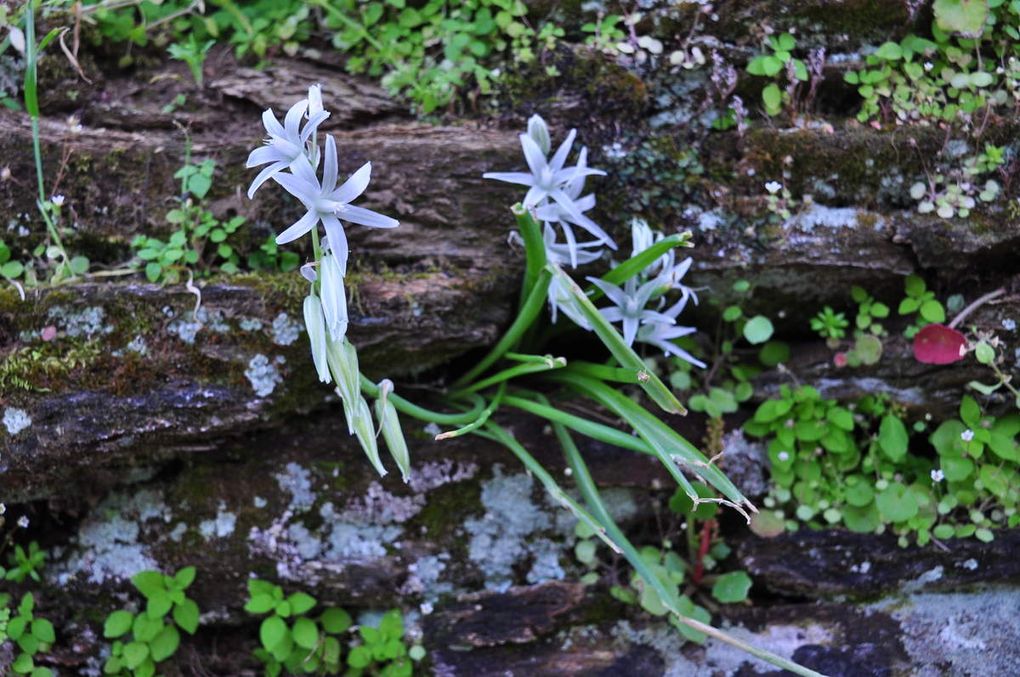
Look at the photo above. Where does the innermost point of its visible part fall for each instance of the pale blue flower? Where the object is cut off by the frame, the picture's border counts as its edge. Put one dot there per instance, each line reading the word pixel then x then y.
pixel 571 252
pixel 555 212
pixel 661 334
pixel 548 178
pixel 329 204
pixel 538 131
pixel 286 143
pixel 630 305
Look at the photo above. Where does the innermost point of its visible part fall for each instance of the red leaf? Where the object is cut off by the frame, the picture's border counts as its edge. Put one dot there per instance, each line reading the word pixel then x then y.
pixel 938 344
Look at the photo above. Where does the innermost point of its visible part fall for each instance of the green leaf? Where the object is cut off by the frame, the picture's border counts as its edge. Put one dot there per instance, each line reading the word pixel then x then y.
pixel 359 657
pixel 159 604
pixel 772 97
pixel 135 653
pixel 965 17
pixel 896 503
pixel 758 329
pixel 152 271
pixel 732 587
pixel 260 603
pixel 970 412
pixel 301 603
pixel 186 615
pixel 184 578
pixel 117 623
pixel 893 438
pixel 199 185
pixel 774 353
pixel 984 353
pixel 932 311
pixel 335 621
pixel 840 417
pixel 890 51
pixel 165 644
pixel 995 479
pixel 12 269
pixel 305 633
pixel 273 632
pixel 149 583
pixel 42 629
pixel 79 265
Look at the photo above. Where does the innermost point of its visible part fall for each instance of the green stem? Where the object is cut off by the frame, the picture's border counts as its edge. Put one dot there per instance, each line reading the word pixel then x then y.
pixel 421 413
pixel 639 262
pixel 597 431
pixel 478 422
pixel 605 373
pixel 534 249
pixel 590 494
pixel 507 374
pixel 529 311
pixel 532 359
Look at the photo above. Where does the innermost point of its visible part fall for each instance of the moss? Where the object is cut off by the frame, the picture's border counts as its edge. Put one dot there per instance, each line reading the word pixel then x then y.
pixel 447 507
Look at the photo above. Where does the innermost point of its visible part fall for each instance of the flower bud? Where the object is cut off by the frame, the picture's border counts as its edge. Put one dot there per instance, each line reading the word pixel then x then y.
pixel 343 363
pixel 538 131
pixel 316 328
pixel 314 100
pixel 334 297
pixel 364 428
pixel 391 431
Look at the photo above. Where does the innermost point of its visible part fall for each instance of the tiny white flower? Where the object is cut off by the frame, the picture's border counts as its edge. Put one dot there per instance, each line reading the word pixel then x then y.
pixel 967 435
pixel 1009 324
pixel 773 187
pixel 23 521
pixel 937 475
pixel 574 253
pixel 308 272
pixel 57 200
pixel 17 39
pixel 783 456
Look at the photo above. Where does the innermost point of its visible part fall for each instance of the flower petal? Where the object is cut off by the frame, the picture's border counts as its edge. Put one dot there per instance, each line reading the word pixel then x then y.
pixel 329 168
pixel 367 217
pixel 630 327
pixel 615 294
pixel 292 122
pixel 354 186
pixel 262 155
pixel 272 125
pixel 534 196
pixel 299 188
pixel 313 124
pixel 299 228
pixel 263 176
pixel 337 241
pixel 533 155
pixel 520 178
pixel 558 160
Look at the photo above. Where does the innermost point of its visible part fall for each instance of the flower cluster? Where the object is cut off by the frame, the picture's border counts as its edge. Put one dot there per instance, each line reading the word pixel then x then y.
pixel 292 156
pixel 554 191
pixel 640 305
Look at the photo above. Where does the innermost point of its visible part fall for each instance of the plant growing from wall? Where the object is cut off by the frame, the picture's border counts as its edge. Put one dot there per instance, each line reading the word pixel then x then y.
pixel 780 66
pixel 144 639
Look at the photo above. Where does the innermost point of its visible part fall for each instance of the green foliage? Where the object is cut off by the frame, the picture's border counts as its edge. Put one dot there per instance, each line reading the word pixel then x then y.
pixel 270 258
pixel 779 65
pixel 957 190
pixel 869 312
pixel 922 302
pixel 154 635
pixel 382 650
pixel 829 324
pixel 855 466
pixel 192 52
pixel 970 63
pixel 291 639
pixel 31 635
pixel 200 242
pixel 25 564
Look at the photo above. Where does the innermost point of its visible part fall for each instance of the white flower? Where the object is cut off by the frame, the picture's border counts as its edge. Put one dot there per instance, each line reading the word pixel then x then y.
pixel 315 101
pixel 572 252
pixel 389 423
pixel 783 456
pixel 17 39
pixel 662 334
pixel 286 144
pixel 630 305
pixel 554 212
pixel 57 200
pixel 773 187
pixel 548 178
pixel 967 435
pixel 937 476
pixel 334 297
pixel 316 328
pixel 23 521
pixel 327 203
